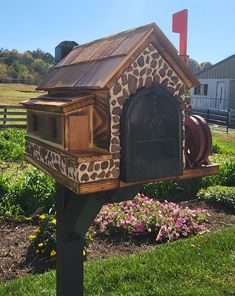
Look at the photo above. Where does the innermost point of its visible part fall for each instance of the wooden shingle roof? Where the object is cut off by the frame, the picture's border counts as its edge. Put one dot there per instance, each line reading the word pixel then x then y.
pixel 96 65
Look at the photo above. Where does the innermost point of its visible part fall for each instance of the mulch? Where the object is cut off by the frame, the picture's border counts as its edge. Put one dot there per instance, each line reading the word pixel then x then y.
pixel 16 259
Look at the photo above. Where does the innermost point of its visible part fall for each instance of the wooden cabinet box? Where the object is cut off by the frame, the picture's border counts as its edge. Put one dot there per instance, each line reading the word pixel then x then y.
pixel 114 114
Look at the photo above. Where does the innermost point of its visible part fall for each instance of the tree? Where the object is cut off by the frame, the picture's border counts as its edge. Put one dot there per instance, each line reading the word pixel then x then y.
pixel 194 66
pixel 4 70
pixel 205 66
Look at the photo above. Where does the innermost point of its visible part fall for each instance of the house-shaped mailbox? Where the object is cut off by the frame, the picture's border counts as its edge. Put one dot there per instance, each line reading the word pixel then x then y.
pixel 114 114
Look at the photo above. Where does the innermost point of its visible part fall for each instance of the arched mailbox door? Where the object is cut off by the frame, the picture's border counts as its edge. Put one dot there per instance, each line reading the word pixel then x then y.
pixel 151 136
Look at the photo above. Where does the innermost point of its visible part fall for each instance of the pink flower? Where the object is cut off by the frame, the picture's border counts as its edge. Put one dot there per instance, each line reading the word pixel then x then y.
pixel 140 227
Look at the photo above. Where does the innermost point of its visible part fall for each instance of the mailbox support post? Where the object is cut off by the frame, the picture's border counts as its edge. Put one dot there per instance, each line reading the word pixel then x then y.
pixel 74 215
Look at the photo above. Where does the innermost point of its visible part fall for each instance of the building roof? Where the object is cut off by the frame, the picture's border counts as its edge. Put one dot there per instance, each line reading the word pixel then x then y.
pixel 224 69
pixel 94 65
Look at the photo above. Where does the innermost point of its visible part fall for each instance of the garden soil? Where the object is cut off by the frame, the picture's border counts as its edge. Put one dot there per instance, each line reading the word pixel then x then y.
pixel 16 258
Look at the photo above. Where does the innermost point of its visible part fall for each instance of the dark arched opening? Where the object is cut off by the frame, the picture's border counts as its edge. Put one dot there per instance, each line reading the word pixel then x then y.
pixel 151 136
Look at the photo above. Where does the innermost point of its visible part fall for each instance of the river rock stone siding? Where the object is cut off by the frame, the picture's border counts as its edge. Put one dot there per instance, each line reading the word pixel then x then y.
pixel 149 69
pixel 78 172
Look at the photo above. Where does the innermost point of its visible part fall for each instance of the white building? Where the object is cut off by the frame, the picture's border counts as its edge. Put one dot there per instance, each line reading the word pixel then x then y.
pixel 217 90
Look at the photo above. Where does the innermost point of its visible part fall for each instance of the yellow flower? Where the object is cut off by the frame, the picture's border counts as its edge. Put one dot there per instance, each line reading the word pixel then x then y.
pixel 53 221
pixel 40 245
pixel 43 251
pixel 84 252
pixel 42 217
pixel 37 230
pixel 53 253
pixel 37 251
pixel 31 237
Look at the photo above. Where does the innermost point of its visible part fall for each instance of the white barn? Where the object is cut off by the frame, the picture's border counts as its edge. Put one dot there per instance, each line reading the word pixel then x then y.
pixel 217 90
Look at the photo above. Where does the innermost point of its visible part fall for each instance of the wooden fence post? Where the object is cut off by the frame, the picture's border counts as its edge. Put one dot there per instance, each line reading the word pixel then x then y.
pixel 4 117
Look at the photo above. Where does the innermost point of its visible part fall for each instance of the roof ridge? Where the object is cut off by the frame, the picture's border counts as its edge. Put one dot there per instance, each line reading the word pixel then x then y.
pixel 150 25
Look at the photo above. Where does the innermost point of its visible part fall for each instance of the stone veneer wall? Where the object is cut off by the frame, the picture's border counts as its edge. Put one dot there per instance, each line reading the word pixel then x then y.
pixel 149 69
pixel 81 173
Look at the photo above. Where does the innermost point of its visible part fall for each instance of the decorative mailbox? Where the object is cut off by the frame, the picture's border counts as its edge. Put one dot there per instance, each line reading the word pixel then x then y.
pixel 114 113
pixel 113 118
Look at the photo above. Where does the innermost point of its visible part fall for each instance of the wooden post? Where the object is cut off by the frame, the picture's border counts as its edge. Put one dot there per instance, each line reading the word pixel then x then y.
pixel 208 115
pixel 4 117
pixel 74 215
pixel 227 120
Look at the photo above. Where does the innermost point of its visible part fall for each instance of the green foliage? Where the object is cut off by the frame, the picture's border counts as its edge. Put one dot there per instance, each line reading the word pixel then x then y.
pixel 12 144
pixel 28 67
pixel 25 191
pixel 202 265
pixel 227 173
pixel 172 190
pixel 216 148
pixel 222 195
pixel 225 177
pixel 44 237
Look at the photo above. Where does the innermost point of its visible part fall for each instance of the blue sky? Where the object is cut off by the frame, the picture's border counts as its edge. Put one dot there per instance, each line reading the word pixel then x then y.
pixel 31 24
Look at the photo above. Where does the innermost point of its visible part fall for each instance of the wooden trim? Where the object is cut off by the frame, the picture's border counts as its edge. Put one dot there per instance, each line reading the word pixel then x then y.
pixel 90 118
pixel 187 173
pixel 77 106
pixel 42 142
pixel 103 185
pixel 76 102
pixel 43 112
pixel 77 156
pixel 73 185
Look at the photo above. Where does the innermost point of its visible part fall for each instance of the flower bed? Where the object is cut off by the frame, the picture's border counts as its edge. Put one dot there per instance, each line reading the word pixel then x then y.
pixel 142 216
pixel 165 221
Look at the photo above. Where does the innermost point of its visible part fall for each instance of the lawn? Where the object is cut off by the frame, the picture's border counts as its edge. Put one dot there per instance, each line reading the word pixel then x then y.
pixel 14 93
pixel 203 265
pixel 227 141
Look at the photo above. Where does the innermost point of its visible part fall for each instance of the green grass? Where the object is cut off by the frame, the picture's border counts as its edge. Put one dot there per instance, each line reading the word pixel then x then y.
pixel 226 141
pixel 14 93
pixel 203 265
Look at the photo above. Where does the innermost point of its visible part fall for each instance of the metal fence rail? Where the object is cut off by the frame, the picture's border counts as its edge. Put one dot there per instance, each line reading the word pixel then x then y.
pixel 12 116
pixel 214 116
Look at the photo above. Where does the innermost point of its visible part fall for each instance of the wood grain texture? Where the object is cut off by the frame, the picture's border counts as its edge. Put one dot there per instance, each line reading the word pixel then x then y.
pixel 187 173
pixel 98 186
pixel 78 132
pixel 101 123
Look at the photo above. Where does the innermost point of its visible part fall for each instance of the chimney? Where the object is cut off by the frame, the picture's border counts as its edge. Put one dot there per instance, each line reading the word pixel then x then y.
pixel 63 49
pixel 180 25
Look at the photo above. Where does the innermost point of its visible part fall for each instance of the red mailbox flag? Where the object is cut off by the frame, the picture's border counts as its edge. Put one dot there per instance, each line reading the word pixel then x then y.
pixel 180 25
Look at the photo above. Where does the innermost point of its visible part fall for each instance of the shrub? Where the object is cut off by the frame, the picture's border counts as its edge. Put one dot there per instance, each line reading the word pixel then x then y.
pixel 162 221
pixel 44 237
pixel 227 173
pixel 26 189
pixel 12 144
pixel 216 148
pixel 221 195
pixel 225 177
pixel 172 190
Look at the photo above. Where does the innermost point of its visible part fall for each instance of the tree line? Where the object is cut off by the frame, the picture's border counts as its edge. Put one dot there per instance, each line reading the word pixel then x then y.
pixel 29 67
